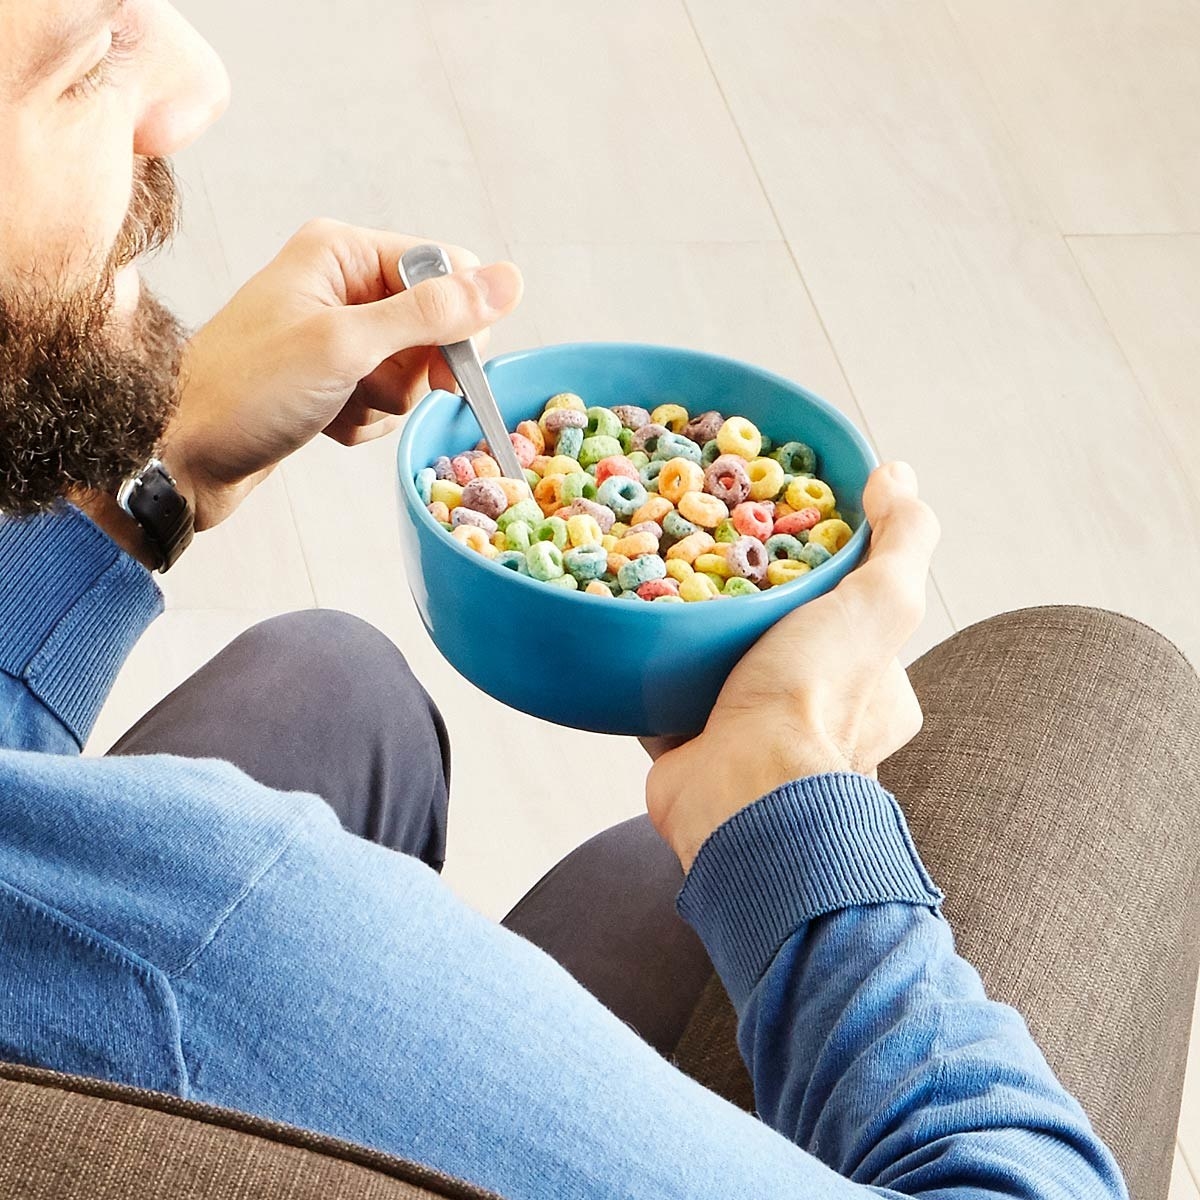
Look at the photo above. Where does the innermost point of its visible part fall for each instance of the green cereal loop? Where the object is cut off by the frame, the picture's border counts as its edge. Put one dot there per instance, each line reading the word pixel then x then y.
pixel 639 458
pixel 783 545
pixel 641 570
pixel 518 536
pixel 586 563
pixel 570 442
pixel 544 561
pixel 529 511
pixel 675 445
pixel 814 555
pixel 532 478
pixel 578 486
pixel 512 560
pixel 629 596
pixel 603 422
pixel 566 582
pixel 610 582
pixel 716 580
pixel 767 446
pixel 551 529
pixel 739 587
pixel 667 599
pixel 796 458
pixel 446 526
pixel 589 470
pixel 710 453
pixel 726 531
pixel 678 527
pixel 650 473
pixel 625 437
pixel 596 448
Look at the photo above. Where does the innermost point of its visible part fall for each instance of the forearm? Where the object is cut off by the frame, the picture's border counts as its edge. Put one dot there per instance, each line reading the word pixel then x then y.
pixel 871 1044
pixel 73 604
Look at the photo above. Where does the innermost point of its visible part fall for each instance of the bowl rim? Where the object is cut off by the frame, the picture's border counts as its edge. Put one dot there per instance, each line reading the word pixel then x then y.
pixel 407 480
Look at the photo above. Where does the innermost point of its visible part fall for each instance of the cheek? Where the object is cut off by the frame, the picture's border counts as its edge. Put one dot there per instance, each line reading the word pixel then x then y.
pixel 65 194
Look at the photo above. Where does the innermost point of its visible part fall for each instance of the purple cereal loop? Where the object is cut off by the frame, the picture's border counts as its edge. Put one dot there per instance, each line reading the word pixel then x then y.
pixel 443 469
pixel 728 480
pixel 747 557
pixel 558 419
pixel 472 455
pixel 646 433
pixel 631 416
pixel 468 516
pixel 704 428
pixel 605 517
pixel 647 527
pixel 485 496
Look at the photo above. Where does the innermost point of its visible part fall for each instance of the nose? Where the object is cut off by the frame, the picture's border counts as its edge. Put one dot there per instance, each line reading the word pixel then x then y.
pixel 186 86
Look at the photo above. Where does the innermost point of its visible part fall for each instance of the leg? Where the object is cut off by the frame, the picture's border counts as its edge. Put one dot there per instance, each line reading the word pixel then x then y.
pixel 318 701
pixel 1055 796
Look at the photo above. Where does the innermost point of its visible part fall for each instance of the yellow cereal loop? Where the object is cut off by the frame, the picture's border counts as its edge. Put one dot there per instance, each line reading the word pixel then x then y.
pixel 832 534
pixel 583 530
pixel 673 416
pixel 475 539
pixel 698 587
pixel 447 492
pixel 560 464
pixel 783 509
pixel 741 437
pixel 565 400
pixel 678 570
pixel 811 493
pixel 608 542
pixel 766 479
pixel 500 540
pixel 785 571
pixel 619 529
pixel 678 477
pixel 713 564
pixel 702 509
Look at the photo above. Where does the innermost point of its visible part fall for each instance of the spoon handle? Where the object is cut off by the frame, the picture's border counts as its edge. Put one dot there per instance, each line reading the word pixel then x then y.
pixel 428 262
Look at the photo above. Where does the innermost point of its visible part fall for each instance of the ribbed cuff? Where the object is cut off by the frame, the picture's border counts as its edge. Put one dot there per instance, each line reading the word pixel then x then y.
pixel 72 606
pixel 812 847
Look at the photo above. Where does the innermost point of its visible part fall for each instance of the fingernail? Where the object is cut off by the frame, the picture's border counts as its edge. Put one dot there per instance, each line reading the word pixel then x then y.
pixel 500 284
pixel 903 475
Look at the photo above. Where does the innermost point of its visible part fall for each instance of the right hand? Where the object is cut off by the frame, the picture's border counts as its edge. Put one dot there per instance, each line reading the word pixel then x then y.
pixel 821 691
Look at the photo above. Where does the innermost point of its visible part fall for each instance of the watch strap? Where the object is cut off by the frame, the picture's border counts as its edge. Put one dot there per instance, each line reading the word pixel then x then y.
pixel 152 498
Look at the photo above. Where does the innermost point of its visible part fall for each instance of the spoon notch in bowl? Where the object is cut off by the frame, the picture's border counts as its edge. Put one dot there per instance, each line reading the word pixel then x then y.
pixel 428 262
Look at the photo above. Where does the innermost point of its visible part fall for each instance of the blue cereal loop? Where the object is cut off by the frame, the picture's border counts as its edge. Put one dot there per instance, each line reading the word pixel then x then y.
pixel 624 496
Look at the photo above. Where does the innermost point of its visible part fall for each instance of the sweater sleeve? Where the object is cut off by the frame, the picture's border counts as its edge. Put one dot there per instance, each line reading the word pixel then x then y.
pixel 869 1041
pixel 72 606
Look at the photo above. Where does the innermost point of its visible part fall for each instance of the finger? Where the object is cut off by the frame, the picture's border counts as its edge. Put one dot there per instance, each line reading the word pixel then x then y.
pixel 439 312
pixel 396 386
pixel 350 432
pixel 367 260
pixel 887 594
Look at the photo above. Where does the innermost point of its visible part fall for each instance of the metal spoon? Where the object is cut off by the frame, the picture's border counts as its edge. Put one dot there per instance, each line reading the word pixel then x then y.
pixel 428 262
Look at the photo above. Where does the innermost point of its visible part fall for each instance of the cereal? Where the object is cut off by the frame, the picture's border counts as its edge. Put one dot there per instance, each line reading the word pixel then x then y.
pixel 728 480
pixel 647 505
pixel 830 535
pixel 703 510
pixel 673 416
pixel 741 437
pixel 679 476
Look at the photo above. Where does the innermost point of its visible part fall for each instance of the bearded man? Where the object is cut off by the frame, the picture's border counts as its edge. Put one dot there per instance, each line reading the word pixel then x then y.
pixel 240 903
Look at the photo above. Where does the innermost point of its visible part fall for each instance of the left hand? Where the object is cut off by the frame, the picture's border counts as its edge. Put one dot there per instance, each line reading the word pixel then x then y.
pixel 324 339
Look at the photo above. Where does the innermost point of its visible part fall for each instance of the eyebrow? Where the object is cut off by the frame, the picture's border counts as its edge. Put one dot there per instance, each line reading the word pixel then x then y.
pixel 60 40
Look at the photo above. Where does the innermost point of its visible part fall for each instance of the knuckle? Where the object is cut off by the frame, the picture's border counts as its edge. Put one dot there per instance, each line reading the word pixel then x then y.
pixel 319 230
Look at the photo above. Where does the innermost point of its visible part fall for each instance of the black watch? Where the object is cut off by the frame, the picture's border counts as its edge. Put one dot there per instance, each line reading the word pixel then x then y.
pixel 152 498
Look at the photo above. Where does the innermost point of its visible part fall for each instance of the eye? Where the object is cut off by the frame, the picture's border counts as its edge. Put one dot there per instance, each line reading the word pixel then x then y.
pixel 123 43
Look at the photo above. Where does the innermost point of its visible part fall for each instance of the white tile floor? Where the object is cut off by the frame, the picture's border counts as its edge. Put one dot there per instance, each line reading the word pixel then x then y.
pixel 976 228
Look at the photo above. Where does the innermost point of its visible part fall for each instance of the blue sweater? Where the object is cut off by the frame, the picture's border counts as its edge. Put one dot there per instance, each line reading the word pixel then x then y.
pixel 174 925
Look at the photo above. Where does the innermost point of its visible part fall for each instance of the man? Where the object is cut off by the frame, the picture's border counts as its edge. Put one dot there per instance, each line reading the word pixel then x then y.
pixel 209 928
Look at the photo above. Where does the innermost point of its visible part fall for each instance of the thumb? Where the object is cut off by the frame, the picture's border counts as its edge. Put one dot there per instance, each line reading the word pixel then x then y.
pixel 435 313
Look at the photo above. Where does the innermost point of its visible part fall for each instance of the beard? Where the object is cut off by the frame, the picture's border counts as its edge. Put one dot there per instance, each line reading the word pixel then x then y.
pixel 85 398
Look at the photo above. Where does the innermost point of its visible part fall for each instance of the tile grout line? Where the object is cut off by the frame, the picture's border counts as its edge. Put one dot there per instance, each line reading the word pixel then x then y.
pixel 1133 233
pixel 308 573
pixel 786 241
pixel 1193 1174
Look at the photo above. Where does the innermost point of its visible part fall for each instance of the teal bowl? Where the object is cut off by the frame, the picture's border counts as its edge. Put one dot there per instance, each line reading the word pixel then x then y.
pixel 582 661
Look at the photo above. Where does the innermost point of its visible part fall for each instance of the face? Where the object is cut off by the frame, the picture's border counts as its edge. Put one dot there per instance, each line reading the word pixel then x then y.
pixel 94 96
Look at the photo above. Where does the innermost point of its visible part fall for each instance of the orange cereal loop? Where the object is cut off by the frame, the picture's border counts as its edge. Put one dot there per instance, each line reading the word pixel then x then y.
pixel 702 509
pixel 691 547
pixel 655 509
pixel 533 431
pixel 548 494
pixel 784 509
pixel 486 467
pixel 808 493
pixel 596 588
pixel 539 464
pixel 678 477
pixel 636 545
pixel 616 562
pixel 439 511
pixel 515 490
